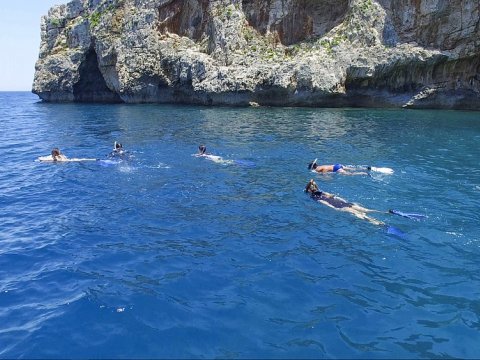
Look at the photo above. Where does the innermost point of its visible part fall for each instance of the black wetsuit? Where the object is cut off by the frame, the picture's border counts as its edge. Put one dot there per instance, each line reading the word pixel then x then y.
pixel 119 154
pixel 332 200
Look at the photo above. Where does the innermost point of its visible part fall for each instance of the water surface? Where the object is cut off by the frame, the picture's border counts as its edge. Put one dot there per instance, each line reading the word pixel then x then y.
pixel 173 256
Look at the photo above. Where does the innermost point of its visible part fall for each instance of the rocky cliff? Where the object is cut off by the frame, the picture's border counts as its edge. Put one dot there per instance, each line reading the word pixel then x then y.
pixel 395 53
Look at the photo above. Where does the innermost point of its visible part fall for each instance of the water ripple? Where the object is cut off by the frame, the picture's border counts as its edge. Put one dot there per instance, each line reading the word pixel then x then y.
pixel 168 255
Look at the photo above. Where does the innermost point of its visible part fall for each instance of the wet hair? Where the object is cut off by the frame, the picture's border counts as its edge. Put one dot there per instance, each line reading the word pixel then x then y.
pixel 311 187
pixel 312 166
pixel 202 149
pixel 118 146
pixel 55 152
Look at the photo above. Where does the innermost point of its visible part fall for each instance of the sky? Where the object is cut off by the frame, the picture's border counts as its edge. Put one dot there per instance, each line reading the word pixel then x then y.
pixel 20 41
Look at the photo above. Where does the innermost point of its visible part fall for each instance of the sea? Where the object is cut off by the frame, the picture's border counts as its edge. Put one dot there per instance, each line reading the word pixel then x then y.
pixel 163 254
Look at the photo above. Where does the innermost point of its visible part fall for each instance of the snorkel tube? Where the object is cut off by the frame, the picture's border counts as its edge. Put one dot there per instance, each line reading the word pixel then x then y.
pixel 312 165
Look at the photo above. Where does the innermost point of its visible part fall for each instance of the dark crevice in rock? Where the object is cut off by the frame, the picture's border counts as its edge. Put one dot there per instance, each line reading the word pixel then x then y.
pixel 399 78
pixel 91 86
pixel 184 17
pixel 441 25
pixel 439 83
pixel 302 19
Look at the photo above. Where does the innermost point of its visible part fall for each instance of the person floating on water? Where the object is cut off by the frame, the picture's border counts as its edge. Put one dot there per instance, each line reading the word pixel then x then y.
pixel 338 203
pixel 202 150
pixel 335 168
pixel 57 155
pixel 118 147
pixel 119 152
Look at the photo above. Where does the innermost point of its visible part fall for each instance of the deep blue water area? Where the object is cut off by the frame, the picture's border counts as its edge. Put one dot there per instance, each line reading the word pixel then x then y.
pixel 167 255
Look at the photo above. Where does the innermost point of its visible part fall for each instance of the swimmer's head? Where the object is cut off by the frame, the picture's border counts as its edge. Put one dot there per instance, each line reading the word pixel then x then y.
pixel 202 149
pixel 55 152
pixel 311 186
pixel 118 146
pixel 312 166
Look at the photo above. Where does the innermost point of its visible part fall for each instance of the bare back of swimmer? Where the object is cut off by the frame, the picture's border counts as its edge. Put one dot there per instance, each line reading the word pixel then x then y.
pixel 335 168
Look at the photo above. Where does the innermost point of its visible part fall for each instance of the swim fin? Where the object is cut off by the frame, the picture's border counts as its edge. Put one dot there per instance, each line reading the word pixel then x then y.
pixel 392 230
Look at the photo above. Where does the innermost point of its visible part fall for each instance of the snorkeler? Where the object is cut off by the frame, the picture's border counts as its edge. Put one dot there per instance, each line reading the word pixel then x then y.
pixel 118 152
pixel 118 148
pixel 57 155
pixel 338 203
pixel 336 168
pixel 202 150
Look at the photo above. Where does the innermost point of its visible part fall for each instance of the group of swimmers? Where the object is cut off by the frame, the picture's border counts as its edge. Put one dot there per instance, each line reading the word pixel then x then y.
pixel 57 156
pixel 326 198
pixel 311 188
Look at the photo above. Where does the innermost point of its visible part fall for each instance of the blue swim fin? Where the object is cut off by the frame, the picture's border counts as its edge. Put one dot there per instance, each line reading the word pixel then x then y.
pixel 392 230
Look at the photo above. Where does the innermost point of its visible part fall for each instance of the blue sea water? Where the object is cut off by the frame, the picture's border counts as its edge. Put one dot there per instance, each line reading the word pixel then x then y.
pixel 172 256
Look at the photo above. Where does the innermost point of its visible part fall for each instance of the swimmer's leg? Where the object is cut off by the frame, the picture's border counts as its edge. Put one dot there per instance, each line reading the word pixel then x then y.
pixel 374 221
pixel 363 209
pixel 363 215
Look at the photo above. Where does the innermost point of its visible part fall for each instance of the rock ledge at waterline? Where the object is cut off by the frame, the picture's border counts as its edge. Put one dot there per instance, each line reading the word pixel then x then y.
pixel 373 53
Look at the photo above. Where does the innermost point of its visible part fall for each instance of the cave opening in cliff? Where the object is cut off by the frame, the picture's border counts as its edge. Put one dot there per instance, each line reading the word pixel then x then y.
pixel 91 86
pixel 297 20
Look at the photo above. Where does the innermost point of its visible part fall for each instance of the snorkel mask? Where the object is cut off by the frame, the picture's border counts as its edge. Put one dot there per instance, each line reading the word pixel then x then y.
pixel 313 165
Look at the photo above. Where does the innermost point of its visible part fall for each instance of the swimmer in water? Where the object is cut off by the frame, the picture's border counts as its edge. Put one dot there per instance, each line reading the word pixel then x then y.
pixel 202 150
pixel 336 168
pixel 118 147
pixel 118 152
pixel 57 155
pixel 338 203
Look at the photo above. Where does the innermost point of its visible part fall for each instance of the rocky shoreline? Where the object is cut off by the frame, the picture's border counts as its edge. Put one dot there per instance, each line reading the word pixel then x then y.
pixel 325 53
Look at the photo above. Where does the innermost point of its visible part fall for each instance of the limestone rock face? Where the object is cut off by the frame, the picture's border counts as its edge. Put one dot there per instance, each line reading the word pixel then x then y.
pixel 391 53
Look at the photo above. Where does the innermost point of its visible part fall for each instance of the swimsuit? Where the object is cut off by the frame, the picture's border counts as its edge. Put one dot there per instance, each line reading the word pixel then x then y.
pixel 335 202
pixel 337 167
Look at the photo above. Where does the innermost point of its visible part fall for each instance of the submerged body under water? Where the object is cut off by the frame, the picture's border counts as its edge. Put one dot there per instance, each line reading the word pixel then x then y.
pixel 165 254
